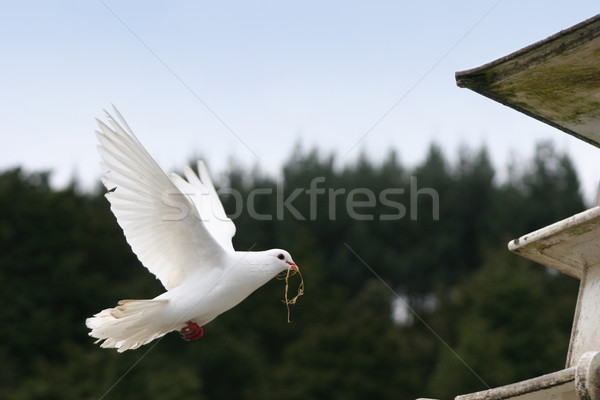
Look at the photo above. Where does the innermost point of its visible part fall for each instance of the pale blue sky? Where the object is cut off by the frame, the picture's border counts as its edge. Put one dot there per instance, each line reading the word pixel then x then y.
pixel 274 72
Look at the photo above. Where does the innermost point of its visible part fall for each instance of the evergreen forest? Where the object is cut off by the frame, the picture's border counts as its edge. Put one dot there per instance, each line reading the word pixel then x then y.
pixel 410 290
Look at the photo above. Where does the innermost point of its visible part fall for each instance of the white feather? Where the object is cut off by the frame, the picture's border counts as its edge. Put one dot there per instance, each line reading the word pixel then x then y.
pixel 145 200
pixel 179 230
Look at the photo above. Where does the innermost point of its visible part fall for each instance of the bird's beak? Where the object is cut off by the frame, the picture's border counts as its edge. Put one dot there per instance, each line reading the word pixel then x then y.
pixel 293 266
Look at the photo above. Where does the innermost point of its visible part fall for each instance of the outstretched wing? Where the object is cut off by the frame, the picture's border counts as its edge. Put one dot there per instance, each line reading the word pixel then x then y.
pixel 160 223
pixel 201 192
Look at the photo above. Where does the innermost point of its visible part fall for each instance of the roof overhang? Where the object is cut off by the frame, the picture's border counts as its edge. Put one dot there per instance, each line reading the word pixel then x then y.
pixel 556 80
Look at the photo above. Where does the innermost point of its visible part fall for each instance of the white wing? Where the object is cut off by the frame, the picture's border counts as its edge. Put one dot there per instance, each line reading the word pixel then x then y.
pixel 160 224
pixel 201 192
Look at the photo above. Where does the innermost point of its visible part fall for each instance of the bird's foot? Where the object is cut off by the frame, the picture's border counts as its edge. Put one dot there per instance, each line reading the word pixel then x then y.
pixel 191 331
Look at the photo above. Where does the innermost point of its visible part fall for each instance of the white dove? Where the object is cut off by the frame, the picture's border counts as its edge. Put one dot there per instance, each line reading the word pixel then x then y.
pixel 179 230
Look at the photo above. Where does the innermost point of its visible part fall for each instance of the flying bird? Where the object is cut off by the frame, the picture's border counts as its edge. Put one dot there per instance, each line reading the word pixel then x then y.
pixel 180 232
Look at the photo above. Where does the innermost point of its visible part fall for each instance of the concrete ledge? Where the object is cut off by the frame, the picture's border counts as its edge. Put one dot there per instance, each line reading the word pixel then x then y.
pixel 580 382
pixel 555 80
pixel 566 246
pixel 550 386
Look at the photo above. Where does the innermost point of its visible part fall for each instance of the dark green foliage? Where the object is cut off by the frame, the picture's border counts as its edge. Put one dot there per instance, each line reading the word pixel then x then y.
pixel 64 258
pixel 508 325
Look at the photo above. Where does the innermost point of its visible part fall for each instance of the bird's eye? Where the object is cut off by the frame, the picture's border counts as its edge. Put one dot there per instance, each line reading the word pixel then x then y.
pixel 281 256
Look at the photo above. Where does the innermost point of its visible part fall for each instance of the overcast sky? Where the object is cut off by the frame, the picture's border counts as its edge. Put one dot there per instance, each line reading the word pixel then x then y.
pixel 248 80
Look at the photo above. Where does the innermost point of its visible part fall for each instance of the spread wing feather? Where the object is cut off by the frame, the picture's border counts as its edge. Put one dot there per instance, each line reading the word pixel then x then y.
pixel 201 192
pixel 161 224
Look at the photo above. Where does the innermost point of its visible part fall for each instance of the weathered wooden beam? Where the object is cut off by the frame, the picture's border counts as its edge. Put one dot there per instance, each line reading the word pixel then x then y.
pixel 556 80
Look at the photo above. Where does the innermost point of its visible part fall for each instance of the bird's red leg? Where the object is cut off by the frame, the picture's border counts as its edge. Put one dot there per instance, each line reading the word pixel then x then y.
pixel 191 331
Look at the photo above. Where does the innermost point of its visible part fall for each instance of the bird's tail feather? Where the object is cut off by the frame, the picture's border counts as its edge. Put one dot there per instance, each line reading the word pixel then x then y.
pixel 129 325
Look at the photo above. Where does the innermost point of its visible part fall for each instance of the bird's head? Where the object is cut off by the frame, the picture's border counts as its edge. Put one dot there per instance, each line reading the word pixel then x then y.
pixel 280 260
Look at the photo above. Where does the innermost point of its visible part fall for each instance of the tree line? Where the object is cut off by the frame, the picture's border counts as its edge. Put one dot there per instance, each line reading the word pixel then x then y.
pixel 474 314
